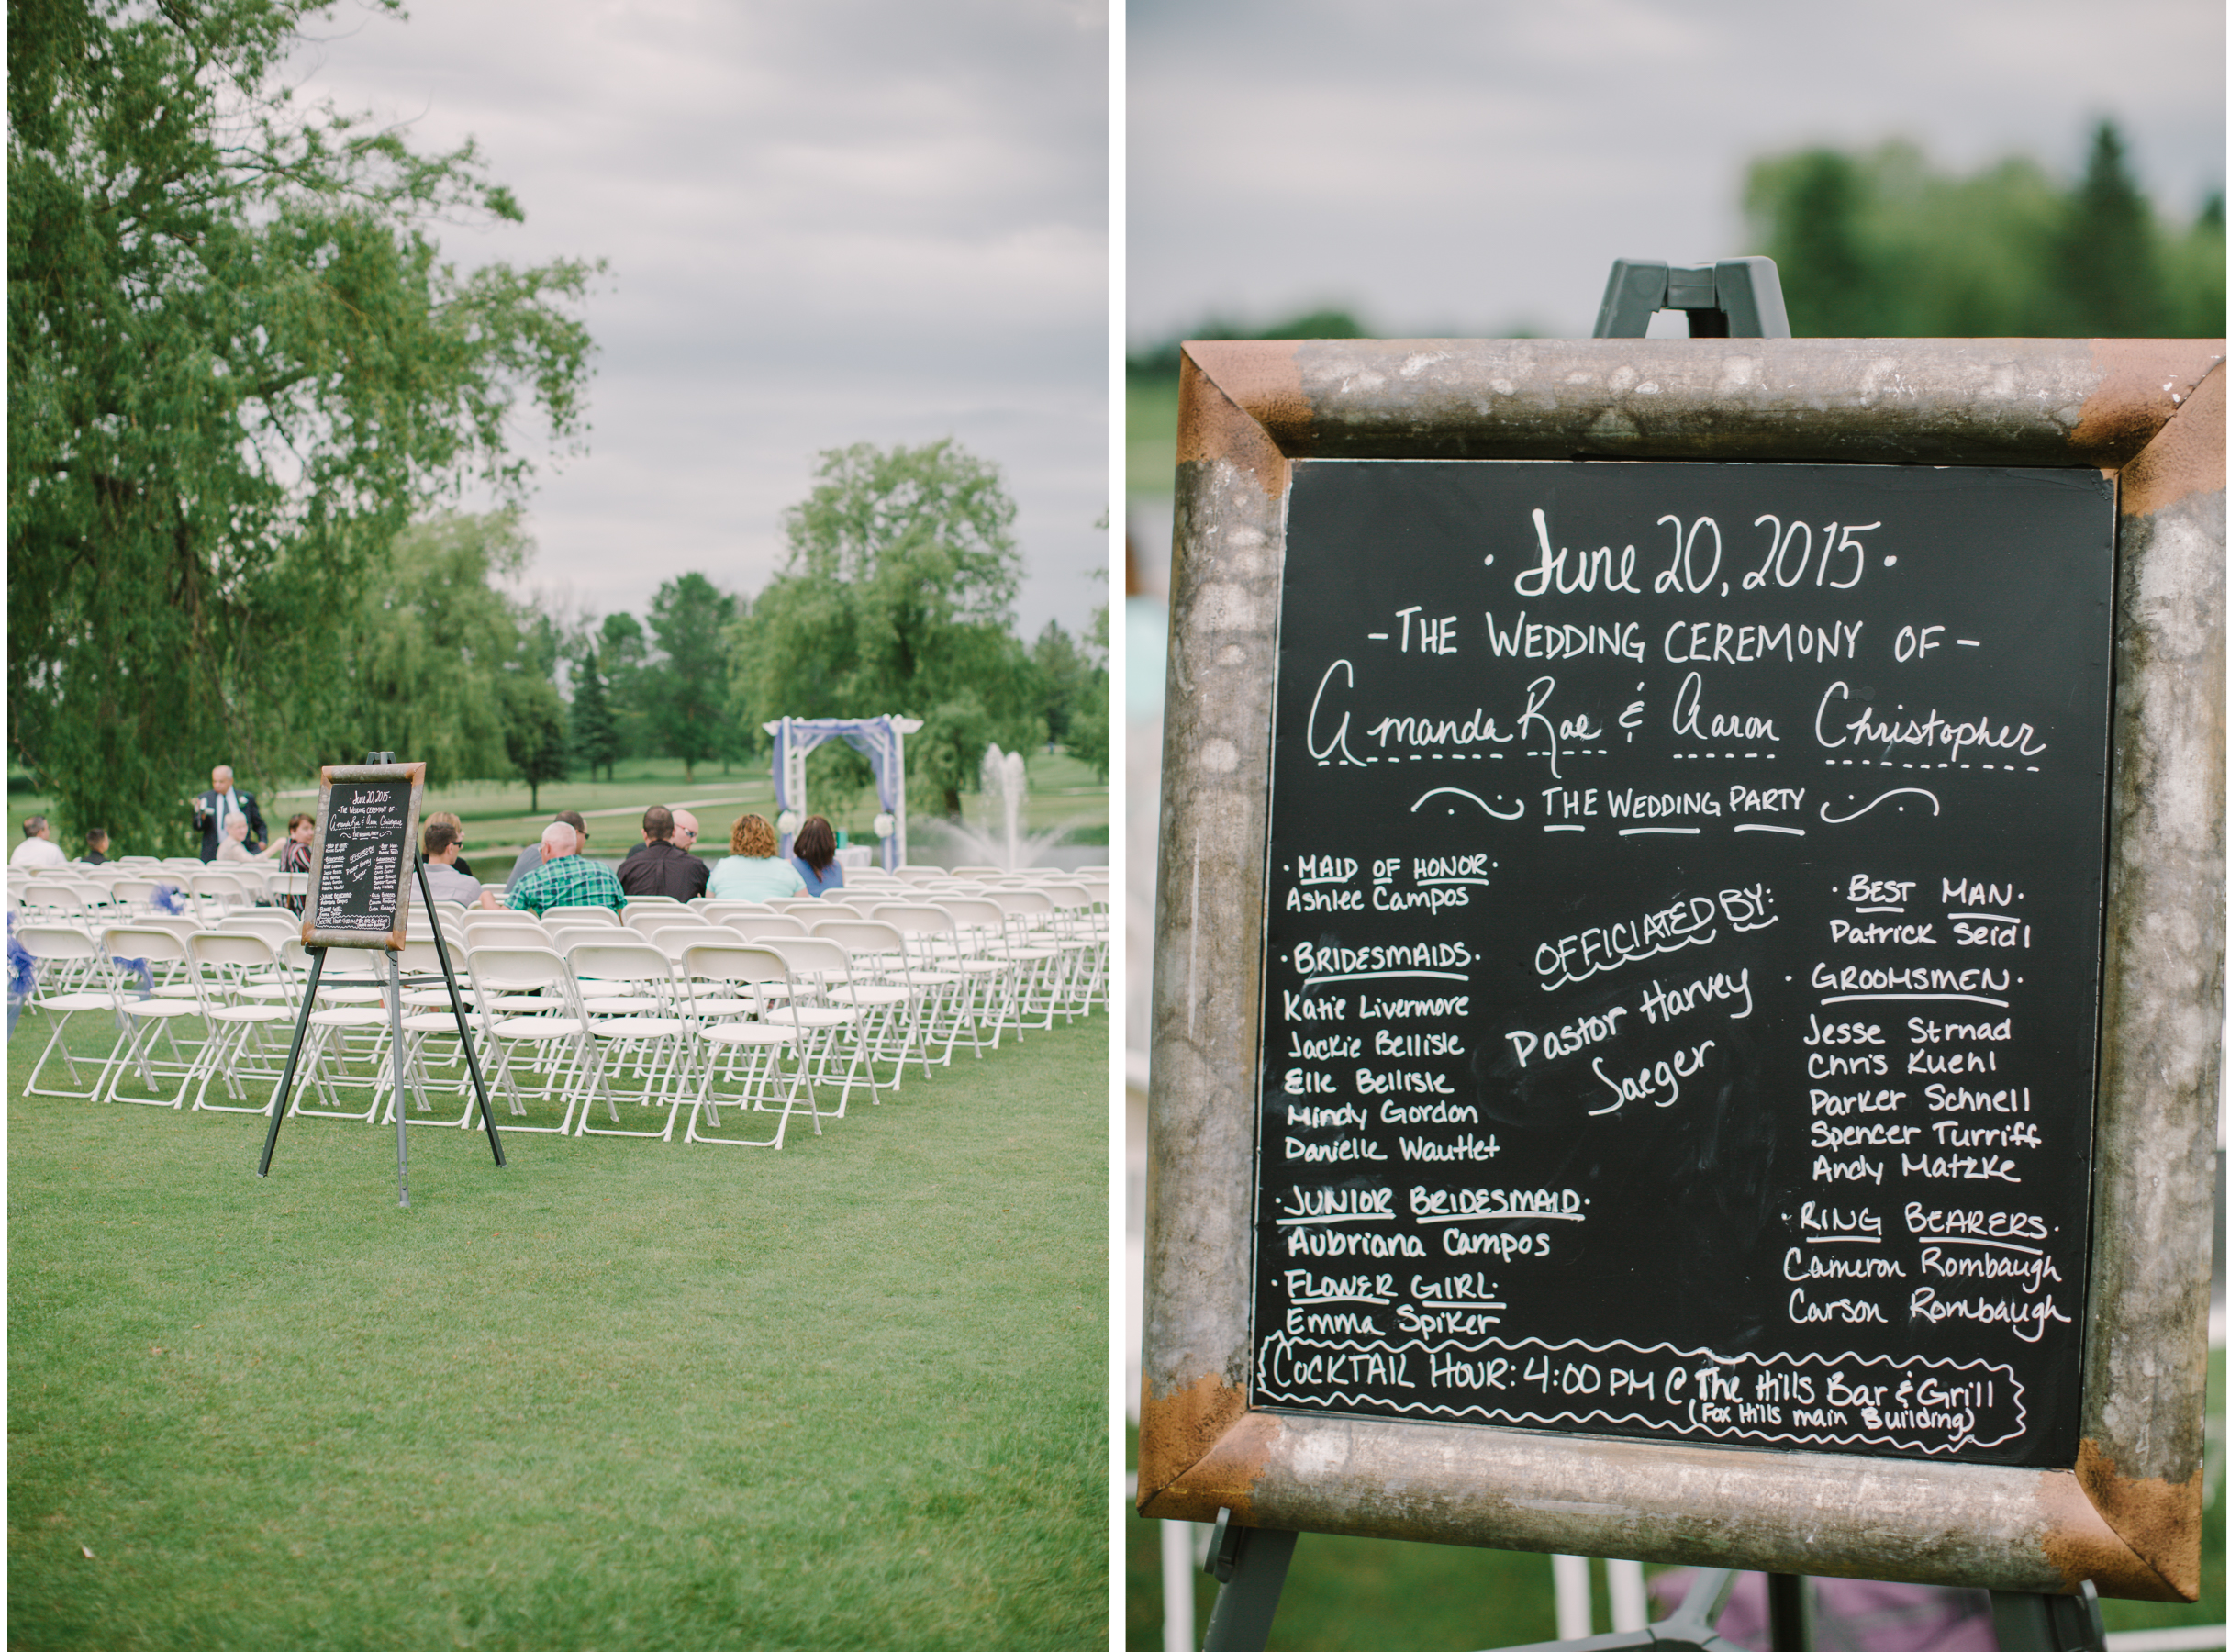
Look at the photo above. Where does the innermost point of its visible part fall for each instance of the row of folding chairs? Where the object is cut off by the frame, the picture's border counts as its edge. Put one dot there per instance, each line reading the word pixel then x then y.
pixel 854 996
pixel 105 893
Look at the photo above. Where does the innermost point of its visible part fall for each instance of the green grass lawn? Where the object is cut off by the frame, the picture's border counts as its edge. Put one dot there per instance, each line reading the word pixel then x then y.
pixel 617 1395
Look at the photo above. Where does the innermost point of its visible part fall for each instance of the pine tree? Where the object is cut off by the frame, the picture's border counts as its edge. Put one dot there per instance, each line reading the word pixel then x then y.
pixel 2109 278
pixel 596 732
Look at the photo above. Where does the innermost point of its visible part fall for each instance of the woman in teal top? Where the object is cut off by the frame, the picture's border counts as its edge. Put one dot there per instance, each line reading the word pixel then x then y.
pixel 753 871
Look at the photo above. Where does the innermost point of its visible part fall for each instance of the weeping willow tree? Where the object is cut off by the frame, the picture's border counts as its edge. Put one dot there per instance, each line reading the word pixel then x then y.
pixel 237 369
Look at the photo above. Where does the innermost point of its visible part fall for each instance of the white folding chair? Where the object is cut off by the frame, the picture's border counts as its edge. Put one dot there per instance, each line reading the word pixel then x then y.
pixel 948 1002
pixel 1086 942
pixel 239 1047
pixel 350 1034
pixel 739 1061
pixel 647 1042
pixel 883 985
pixel 820 969
pixel 69 979
pixel 719 912
pixel 583 914
pixel 151 1022
pixel 428 1015
pixel 763 926
pixel 551 1052
pixel 1039 961
pixel 647 920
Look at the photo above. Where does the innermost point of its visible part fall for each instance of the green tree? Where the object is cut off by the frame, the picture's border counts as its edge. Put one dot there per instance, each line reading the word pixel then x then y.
pixel 946 754
pixel 533 731
pixel 596 735
pixel 898 596
pixel 625 654
pixel 1088 735
pixel 691 617
pixel 1063 680
pixel 1881 244
pixel 419 667
pixel 237 369
pixel 2109 274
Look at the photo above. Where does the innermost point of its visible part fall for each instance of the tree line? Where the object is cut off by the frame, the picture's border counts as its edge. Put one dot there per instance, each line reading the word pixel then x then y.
pixel 898 596
pixel 1883 243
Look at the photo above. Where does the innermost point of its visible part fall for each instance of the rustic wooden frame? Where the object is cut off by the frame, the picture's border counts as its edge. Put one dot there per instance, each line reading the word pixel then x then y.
pixel 386 941
pixel 2125 1515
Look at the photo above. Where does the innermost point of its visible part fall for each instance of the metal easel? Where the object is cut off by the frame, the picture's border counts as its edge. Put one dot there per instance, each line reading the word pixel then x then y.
pixel 394 1028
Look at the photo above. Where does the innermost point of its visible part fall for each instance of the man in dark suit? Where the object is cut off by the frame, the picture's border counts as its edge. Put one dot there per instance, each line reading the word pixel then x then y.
pixel 657 865
pixel 219 804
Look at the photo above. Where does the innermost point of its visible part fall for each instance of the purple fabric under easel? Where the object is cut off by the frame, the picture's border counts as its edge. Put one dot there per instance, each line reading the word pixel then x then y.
pixel 1852 1614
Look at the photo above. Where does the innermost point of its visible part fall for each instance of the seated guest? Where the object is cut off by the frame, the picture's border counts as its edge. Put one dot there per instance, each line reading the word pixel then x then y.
pixel 657 865
pixel 294 848
pixel 38 847
pixel 96 848
pixel 565 877
pixel 441 875
pixel 813 852
pixel 294 851
pixel 754 871
pixel 532 855
pixel 235 846
pixel 445 818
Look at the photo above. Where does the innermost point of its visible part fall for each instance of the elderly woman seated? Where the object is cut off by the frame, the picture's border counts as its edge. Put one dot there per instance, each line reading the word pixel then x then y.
pixel 235 846
pixel 754 871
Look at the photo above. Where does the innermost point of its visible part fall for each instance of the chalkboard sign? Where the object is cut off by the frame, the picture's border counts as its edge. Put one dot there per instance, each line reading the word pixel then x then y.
pixel 1681 1001
pixel 361 865
pixel 1688 952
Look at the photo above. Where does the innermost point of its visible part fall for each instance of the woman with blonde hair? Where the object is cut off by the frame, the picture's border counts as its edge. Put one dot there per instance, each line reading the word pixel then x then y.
pixel 752 870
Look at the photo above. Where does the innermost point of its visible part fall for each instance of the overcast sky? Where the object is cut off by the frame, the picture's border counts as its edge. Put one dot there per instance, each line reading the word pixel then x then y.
pixel 1473 166
pixel 852 220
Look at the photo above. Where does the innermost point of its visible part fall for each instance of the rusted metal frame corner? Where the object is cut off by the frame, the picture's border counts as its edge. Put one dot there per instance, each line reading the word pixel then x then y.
pixel 2148 410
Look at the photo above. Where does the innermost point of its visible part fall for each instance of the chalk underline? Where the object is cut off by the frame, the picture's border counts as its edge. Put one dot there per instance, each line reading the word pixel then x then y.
pixel 1509 1216
pixel 1388 975
pixel 1914 997
pixel 2026 1250
pixel 1358 1216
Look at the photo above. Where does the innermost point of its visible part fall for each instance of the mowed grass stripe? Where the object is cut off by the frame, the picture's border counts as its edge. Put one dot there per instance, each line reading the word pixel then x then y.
pixel 619 1394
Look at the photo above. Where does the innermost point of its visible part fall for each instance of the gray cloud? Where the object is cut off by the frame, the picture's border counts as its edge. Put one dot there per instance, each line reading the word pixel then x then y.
pixel 1453 163
pixel 845 222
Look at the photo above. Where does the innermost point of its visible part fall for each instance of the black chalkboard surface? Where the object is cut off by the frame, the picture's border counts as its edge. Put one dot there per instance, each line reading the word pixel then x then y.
pixel 361 865
pixel 1680 990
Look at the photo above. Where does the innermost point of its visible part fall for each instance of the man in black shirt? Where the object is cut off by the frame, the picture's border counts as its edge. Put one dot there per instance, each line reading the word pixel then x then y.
pixel 656 866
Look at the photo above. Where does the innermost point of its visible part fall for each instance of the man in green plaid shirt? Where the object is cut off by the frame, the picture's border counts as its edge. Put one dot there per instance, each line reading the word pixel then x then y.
pixel 565 877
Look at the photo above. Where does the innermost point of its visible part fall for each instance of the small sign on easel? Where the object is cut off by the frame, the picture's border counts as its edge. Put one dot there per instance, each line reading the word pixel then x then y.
pixel 362 863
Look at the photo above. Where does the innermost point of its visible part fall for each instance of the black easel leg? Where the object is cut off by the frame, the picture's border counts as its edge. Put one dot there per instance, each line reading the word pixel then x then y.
pixel 1251 1565
pixel 1789 1603
pixel 2033 1622
pixel 286 1078
pixel 456 1004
